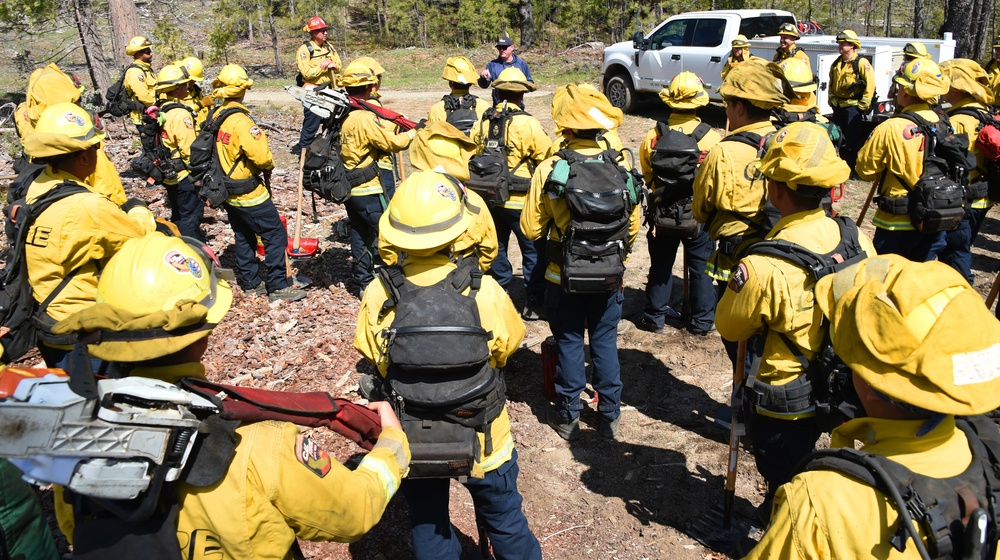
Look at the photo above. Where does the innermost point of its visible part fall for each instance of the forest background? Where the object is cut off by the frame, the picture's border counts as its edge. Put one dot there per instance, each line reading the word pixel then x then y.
pixel 89 35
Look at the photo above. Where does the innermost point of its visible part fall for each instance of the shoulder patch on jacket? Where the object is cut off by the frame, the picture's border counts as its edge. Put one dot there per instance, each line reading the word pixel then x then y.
pixel 738 277
pixel 255 132
pixel 312 456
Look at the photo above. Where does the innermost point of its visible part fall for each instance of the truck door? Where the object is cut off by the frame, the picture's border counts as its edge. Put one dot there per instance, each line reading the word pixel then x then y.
pixel 661 61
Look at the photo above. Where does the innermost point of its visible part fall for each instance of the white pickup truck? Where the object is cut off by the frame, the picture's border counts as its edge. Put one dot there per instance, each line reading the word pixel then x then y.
pixel 699 42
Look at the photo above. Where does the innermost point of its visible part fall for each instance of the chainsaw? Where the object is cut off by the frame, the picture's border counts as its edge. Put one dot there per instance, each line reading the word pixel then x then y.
pixel 110 447
pixel 322 102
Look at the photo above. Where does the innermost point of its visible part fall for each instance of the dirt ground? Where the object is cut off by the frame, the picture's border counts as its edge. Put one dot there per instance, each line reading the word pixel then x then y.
pixel 641 496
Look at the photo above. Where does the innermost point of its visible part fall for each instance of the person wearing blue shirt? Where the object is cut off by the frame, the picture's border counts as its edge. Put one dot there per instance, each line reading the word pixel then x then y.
pixel 505 59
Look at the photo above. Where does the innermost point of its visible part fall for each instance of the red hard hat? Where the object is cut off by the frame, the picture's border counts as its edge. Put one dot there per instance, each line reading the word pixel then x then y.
pixel 316 23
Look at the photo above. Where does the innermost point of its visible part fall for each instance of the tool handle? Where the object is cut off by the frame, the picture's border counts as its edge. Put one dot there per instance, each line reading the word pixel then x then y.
pixel 734 431
pixel 868 201
pixel 993 292
pixel 297 240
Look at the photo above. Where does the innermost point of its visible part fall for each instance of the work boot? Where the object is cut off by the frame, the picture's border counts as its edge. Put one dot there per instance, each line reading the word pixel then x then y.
pixel 569 430
pixel 608 428
pixel 370 388
pixel 287 294
pixel 260 290
pixel 533 313
pixel 648 325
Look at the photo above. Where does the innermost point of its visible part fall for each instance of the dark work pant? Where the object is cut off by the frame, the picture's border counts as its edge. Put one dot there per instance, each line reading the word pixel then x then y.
pixel 914 245
pixel 364 213
pixel 569 316
pixel 957 252
pixel 533 261
pixel 310 125
pixel 248 222
pixel 779 445
pixel 659 287
pixel 186 207
pixel 849 120
pixel 497 501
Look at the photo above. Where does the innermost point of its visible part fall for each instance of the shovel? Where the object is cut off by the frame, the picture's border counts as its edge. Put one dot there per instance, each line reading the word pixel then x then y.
pixel 299 247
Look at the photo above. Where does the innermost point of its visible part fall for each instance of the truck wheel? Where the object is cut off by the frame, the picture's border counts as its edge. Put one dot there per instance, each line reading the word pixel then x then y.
pixel 619 91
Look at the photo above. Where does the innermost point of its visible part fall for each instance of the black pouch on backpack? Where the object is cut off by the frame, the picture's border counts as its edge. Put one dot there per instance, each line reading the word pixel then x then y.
pixel 488 177
pixel 937 204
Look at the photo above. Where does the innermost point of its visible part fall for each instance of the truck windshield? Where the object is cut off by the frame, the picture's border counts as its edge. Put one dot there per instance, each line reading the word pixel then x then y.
pixel 763 25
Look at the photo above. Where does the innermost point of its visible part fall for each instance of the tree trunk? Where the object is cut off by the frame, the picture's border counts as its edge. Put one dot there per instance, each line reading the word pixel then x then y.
pixel 124 26
pixel 527 23
pixel 250 30
pixel 274 41
pixel 959 20
pixel 918 17
pixel 96 65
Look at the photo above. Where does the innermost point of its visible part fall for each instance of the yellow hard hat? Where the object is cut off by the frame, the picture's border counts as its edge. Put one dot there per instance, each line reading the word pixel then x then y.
pixel 799 76
pixel 440 146
pixel 170 77
pixel 194 67
pixel 63 128
pixel 512 79
pixel 137 44
pixel 789 29
pixel 740 42
pixel 802 156
pixel 372 65
pixel 916 49
pixel 686 91
pixel 849 36
pixel 922 78
pixel 968 76
pixel 357 74
pixel 582 107
pixel 764 86
pixel 460 70
pixel 904 327
pixel 231 81
pixel 49 86
pixel 996 42
pixel 183 297
pixel 427 212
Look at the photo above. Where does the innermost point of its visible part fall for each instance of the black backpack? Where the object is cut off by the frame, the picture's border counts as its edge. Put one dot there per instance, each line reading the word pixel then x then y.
pixel 17 304
pixel 440 380
pixel 324 172
pixel 206 169
pixel 299 78
pixel 826 384
pixel 119 104
pixel 938 200
pixel 958 515
pixel 489 174
pixel 675 158
pixel 158 162
pixel 600 195
pixel 988 141
pixel 461 111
